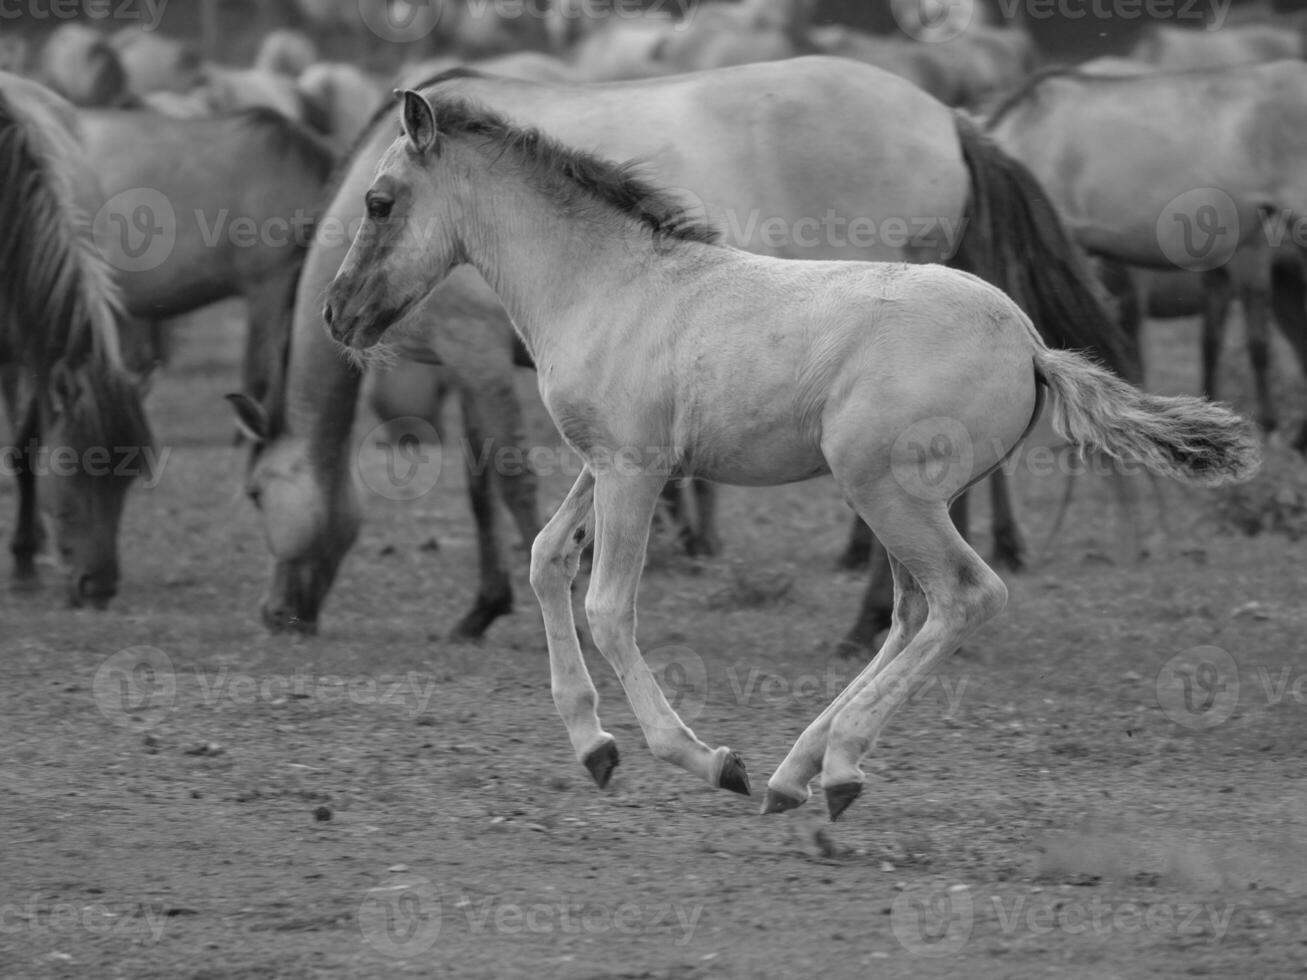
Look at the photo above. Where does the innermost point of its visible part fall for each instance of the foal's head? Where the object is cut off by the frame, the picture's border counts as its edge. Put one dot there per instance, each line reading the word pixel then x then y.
pixel 406 243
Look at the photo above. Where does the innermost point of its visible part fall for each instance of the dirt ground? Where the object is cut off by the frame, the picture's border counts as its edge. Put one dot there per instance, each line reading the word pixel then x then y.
pixel 1106 782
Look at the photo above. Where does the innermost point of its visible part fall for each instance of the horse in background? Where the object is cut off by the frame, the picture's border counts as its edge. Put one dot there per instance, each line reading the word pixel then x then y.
pixel 1195 170
pixel 899 154
pixel 67 392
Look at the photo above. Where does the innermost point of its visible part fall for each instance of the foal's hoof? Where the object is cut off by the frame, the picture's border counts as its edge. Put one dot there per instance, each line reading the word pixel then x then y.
pixel 733 775
pixel 776 802
pixel 839 797
pixel 601 762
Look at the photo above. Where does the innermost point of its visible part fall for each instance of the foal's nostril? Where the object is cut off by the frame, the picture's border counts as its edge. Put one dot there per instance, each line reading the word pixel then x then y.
pixel 328 314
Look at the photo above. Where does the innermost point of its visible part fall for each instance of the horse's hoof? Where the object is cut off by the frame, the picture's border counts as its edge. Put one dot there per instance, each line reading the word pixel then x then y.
pixel 474 625
pixel 733 775
pixel 776 802
pixel 839 797
pixel 601 762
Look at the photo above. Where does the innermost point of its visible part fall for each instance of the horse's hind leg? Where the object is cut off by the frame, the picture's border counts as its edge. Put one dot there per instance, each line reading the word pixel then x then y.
pixel 624 507
pixel 858 552
pixel 1253 269
pixel 495 593
pixel 1009 543
pixel 555 558
pixel 961 593
pixel 1289 305
pixel 1216 314
pixel 788 787
pixel 28 535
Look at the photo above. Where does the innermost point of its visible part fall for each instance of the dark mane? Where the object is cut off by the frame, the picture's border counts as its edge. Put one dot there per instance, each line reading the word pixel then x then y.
pixel 1026 90
pixel 563 172
pixel 290 138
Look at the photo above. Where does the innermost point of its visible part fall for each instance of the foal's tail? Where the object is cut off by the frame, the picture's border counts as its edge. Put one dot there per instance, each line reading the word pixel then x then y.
pixel 1015 239
pixel 1190 439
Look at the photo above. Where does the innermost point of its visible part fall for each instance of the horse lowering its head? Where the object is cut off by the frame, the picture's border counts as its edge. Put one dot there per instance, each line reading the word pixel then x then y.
pixel 409 240
pixel 82 436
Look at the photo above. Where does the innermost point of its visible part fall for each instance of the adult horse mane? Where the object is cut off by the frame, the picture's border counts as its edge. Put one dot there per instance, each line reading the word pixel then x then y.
pixel 291 138
pixel 564 173
pixel 1006 103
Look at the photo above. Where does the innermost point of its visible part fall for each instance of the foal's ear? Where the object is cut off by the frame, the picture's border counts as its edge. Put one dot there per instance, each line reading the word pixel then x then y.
pixel 420 121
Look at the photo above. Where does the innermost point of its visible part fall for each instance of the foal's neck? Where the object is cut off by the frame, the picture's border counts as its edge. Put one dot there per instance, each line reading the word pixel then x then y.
pixel 553 265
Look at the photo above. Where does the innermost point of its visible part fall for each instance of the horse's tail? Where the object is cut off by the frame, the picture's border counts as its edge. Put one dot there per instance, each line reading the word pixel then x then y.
pixel 1190 439
pixel 1016 240
pixel 57 287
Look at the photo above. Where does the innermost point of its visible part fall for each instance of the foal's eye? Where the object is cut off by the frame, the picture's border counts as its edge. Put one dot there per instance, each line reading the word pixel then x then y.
pixel 379 207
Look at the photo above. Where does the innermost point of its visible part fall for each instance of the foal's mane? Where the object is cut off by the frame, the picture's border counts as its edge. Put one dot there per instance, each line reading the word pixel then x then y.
pixel 564 172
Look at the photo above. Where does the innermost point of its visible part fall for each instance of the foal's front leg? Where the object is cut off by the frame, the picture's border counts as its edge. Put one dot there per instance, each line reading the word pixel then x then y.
pixel 555 557
pixel 624 506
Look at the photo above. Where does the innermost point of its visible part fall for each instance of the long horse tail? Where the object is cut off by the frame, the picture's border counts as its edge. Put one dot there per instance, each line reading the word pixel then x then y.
pixel 57 289
pixel 1015 239
pixel 1187 438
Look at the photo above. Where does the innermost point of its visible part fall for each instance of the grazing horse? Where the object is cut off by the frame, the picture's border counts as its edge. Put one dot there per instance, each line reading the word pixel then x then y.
pixel 1196 170
pixel 879 171
pixel 200 210
pixel 661 352
pixel 81 435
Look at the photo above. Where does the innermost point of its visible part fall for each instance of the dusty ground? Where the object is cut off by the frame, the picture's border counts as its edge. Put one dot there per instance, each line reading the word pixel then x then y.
pixel 377 802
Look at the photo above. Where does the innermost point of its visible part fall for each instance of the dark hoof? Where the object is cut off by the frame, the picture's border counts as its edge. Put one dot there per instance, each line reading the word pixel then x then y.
pixel 775 802
pixel 855 559
pixel 1300 440
pixel 733 775
pixel 474 625
pixel 1010 555
pixel 839 797
pixel 601 763
pixel 702 545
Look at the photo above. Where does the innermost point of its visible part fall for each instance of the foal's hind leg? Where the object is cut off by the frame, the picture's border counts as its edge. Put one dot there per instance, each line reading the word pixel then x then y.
pixel 788 787
pixel 555 557
pixel 961 594
pixel 624 507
